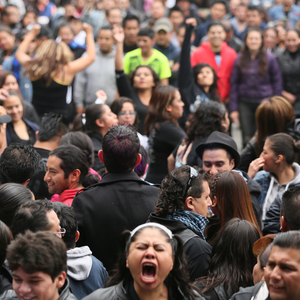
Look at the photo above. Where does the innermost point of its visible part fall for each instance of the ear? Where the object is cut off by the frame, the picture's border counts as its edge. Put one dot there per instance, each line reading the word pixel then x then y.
pixel 36 135
pixel 169 108
pixel 284 227
pixel 77 236
pixel 138 160
pixel 61 278
pixel 279 159
pixel 100 155
pixel 189 203
pixel 232 163
pixel 26 182
pixel 99 123
pixel 127 265
pixel 214 201
pixel 75 175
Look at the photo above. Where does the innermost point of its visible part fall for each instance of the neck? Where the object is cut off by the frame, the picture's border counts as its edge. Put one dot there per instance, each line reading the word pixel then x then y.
pixel 206 89
pixel 46 145
pixel 75 186
pixel 145 95
pixel 160 293
pixel 147 54
pixel 241 22
pixel 253 53
pixel 215 48
pixel 285 174
pixel 129 43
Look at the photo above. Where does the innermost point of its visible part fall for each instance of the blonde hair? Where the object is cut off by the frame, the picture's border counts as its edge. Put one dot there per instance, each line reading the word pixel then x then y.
pixel 50 56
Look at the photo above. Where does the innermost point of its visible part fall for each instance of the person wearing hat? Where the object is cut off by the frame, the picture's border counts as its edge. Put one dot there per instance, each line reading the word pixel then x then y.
pixel 163 28
pixel 219 153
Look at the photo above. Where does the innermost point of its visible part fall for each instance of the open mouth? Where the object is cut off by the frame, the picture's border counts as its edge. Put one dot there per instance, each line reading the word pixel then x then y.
pixel 148 273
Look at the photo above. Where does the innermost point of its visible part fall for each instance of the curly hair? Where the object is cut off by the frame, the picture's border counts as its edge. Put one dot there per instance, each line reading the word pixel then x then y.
pixel 207 119
pixel 172 190
pixel 177 282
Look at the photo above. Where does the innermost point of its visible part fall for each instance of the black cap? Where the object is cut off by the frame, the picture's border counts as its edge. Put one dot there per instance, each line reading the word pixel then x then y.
pixel 223 140
pixel 5 119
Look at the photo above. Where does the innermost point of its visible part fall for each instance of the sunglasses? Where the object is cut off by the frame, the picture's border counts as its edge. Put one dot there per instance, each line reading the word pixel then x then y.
pixel 193 174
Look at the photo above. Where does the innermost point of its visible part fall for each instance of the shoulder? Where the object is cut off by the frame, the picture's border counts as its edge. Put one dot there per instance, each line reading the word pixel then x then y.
pixel 34 126
pixel 295 8
pixel 262 175
pixel 248 292
pixel 133 53
pixel 110 293
pixel 159 55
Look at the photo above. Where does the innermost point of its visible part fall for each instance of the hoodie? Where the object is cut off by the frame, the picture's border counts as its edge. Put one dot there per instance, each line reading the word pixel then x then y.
pixel 85 272
pixel 196 249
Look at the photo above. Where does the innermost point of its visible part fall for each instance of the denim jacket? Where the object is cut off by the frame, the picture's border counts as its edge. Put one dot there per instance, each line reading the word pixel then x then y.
pixel 263 178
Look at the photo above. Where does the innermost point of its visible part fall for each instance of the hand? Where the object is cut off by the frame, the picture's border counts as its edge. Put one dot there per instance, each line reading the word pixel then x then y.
pixel 235 116
pixel 35 30
pixel 255 166
pixel 175 67
pixel 289 97
pixel 118 34
pixel 87 28
pixel 101 95
pixel 80 110
pixel 191 21
pixel 4 95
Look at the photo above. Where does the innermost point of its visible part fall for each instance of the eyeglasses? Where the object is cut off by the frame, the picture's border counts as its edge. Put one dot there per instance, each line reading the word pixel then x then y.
pixel 193 174
pixel 62 232
pixel 124 113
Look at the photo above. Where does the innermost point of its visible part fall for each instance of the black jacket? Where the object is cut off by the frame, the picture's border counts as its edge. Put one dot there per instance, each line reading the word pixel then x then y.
pixel 196 249
pixel 103 211
pixel 97 142
pixel 248 293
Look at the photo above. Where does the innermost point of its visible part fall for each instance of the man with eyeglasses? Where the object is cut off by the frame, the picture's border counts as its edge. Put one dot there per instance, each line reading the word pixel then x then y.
pixel 182 207
pixel 219 153
pixel 36 216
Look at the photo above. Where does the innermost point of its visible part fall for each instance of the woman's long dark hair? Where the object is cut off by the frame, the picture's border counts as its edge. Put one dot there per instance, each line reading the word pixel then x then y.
pixel 177 282
pixel 232 259
pixel 157 113
pixel 213 90
pixel 207 118
pixel 246 56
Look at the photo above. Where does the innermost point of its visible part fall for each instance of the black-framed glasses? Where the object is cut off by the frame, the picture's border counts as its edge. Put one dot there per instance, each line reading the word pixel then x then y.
pixel 125 113
pixel 193 174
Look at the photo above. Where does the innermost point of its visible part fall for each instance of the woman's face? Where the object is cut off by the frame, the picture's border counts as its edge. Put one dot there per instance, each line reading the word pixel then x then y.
pixel 176 108
pixel 143 79
pixel 292 41
pixel 29 18
pixel 11 84
pixel 14 108
pixel 7 41
pixel 281 33
pixel 270 38
pixel 127 114
pixel 205 77
pixel 66 35
pixel 226 122
pixel 254 41
pixel 150 259
pixel 269 157
pixel 107 119
pixel 258 273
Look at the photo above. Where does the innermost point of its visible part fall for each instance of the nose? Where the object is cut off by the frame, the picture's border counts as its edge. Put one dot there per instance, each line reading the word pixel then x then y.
pixel 46 177
pixel 150 253
pixel 275 274
pixel 209 203
pixel 213 170
pixel 24 288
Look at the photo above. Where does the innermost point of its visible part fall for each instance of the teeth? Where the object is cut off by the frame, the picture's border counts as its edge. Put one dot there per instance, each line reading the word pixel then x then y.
pixel 149 264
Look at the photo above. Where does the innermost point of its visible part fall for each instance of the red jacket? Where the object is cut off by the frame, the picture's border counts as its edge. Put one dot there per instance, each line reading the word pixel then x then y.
pixel 204 54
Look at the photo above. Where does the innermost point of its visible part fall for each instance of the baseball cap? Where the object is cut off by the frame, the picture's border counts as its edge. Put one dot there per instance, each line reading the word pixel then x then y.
pixel 163 24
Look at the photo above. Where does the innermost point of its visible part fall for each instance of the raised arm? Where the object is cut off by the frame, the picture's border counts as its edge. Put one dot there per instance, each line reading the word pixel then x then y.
pixel 21 55
pixel 81 63
pixel 119 39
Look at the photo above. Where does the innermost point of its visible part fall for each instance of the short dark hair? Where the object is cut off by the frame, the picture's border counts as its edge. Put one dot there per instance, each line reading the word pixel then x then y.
pixel 290 207
pixel 175 9
pixel 72 158
pixel 288 240
pixel 120 147
pixel 4 241
pixel 4 11
pixel 172 190
pixel 18 163
pixel 130 18
pixel 68 221
pixel 254 8
pixel 147 31
pixel 141 167
pixel 215 23
pixel 106 27
pixel 51 127
pixel 12 196
pixel 41 251
pixel 32 216
pixel 213 2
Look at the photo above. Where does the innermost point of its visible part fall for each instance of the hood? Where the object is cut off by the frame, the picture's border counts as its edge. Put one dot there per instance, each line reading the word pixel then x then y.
pixel 79 262
pixel 173 225
pixel 296 178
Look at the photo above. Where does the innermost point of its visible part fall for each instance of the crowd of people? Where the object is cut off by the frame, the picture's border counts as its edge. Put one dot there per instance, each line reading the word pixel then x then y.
pixel 119 177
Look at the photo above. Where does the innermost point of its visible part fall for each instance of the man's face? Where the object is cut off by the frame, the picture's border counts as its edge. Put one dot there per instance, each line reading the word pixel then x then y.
pixel 217 11
pixel 162 38
pixel 70 10
pixel 184 5
pixel 241 13
pixel 180 35
pixel 282 274
pixel 216 35
pixel 131 30
pixel 201 204
pixel 287 2
pixel 37 285
pixel 54 222
pixel 115 17
pixel 105 40
pixel 55 176
pixel 145 43
pixel 215 161
pixel 253 18
pixel 13 15
pixel 157 10
pixel 176 18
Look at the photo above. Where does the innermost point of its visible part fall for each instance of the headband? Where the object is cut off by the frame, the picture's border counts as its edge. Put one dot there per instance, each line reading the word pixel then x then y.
pixel 153 224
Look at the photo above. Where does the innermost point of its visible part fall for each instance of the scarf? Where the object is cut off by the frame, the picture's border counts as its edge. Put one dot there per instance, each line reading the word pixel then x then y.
pixel 192 220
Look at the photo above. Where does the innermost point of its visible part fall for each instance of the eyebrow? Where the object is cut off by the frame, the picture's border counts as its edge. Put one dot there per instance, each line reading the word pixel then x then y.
pixel 31 277
pixel 214 162
pixel 158 244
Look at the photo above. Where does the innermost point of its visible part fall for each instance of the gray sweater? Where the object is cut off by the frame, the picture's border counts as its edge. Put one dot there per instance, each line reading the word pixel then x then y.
pixel 100 75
